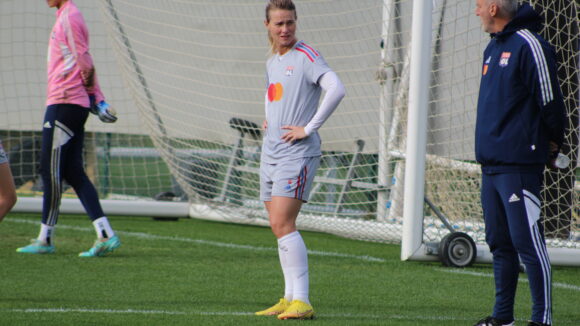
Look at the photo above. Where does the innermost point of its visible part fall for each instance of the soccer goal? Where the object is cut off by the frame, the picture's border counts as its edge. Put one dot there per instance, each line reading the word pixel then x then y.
pixel 187 78
pixel 441 180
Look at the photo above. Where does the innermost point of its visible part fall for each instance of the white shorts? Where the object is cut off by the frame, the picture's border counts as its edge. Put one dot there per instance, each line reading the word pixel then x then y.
pixel 3 156
pixel 291 178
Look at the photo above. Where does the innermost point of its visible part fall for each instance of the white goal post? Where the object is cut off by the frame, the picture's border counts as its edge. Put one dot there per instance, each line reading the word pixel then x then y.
pixel 187 80
pixel 414 246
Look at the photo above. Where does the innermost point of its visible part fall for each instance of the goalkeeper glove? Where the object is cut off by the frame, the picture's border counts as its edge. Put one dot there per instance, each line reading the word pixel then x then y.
pixel 103 110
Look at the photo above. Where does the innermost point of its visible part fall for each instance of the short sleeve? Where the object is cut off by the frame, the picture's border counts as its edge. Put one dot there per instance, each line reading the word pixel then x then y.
pixel 318 68
pixel 315 65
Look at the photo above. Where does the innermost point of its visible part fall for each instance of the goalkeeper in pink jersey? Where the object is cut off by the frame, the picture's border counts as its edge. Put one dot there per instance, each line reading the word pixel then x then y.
pixel 72 92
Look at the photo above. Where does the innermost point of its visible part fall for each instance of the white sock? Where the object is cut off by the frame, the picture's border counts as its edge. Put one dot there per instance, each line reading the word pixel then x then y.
pixel 46 233
pixel 288 288
pixel 296 264
pixel 103 228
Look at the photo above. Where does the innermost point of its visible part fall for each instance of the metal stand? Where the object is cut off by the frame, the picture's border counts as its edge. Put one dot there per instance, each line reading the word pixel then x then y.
pixel 231 186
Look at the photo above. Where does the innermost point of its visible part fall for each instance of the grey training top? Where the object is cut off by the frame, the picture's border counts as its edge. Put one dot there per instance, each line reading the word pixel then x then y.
pixel 292 99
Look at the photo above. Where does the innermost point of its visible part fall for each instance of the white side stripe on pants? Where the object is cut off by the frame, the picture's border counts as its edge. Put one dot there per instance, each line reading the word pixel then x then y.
pixel 532 204
pixel 61 135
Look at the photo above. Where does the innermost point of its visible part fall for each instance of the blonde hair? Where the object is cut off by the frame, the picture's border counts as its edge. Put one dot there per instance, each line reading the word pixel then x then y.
pixel 278 4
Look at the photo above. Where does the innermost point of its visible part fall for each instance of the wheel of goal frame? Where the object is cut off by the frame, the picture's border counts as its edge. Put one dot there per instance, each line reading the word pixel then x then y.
pixel 165 196
pixel 457 249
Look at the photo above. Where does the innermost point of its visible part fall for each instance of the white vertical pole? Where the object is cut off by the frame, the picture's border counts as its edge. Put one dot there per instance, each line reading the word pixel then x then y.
pixel 386 109
pixel 417 128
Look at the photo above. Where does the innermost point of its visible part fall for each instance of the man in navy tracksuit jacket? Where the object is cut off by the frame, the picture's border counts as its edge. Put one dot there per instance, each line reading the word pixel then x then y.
pixel 520 127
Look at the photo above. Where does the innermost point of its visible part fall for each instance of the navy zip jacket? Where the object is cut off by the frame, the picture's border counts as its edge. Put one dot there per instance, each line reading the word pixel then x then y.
pixel 520 107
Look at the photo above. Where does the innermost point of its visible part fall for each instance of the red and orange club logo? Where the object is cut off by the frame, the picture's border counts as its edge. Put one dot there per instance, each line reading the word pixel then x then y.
pixel 275 92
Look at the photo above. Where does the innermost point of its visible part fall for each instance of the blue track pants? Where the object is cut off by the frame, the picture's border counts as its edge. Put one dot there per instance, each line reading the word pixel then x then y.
pixel 62 158
pixel 511 208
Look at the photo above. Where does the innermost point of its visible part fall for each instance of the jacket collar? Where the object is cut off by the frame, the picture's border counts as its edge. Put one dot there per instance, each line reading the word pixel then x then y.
pixel 526 18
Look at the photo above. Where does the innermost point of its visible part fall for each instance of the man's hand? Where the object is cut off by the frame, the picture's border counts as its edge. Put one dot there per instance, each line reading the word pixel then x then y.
pixel 554 148
pixel 295 133
pixel 557 160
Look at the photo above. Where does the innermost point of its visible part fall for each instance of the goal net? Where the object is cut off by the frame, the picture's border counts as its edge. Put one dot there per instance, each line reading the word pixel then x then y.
pixel 121 158
pixel 187 78
pixel 452 180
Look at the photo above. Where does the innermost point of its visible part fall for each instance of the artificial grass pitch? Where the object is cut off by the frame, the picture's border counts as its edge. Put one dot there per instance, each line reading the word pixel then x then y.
pixel 194 272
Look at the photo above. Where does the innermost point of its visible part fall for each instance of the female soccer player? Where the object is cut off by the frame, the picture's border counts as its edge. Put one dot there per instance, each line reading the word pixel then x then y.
pixel 296 76
pixel 72 92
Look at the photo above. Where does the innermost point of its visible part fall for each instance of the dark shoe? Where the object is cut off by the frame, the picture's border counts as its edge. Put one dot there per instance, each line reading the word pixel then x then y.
pixel 491 321
pixel 535 323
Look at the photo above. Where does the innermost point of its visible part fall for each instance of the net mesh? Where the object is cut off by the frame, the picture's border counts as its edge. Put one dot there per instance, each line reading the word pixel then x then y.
pixel 121 158
pixel 188 81
pixel 456 190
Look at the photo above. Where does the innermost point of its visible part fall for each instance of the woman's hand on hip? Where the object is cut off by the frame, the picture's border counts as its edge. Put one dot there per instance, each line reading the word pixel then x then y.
pixel 295 133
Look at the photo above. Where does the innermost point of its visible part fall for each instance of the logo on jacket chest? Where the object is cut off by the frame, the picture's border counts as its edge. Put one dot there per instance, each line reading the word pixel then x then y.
pixel 504 59
pixel 289 71
pixel 486 66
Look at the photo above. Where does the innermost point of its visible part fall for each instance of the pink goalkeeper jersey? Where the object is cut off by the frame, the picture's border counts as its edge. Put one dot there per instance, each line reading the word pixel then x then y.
pixel 68 49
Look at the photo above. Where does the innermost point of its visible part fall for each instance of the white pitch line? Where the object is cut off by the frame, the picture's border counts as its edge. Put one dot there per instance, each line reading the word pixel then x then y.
pixel 96 311
pixel 523 280
pixel 239 313
pixel 149 236
pixel 216 313
pixel 128 311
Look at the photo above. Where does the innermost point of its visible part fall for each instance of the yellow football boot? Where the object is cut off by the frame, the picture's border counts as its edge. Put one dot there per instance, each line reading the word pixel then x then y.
pixel 276 309
pixel 297 310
